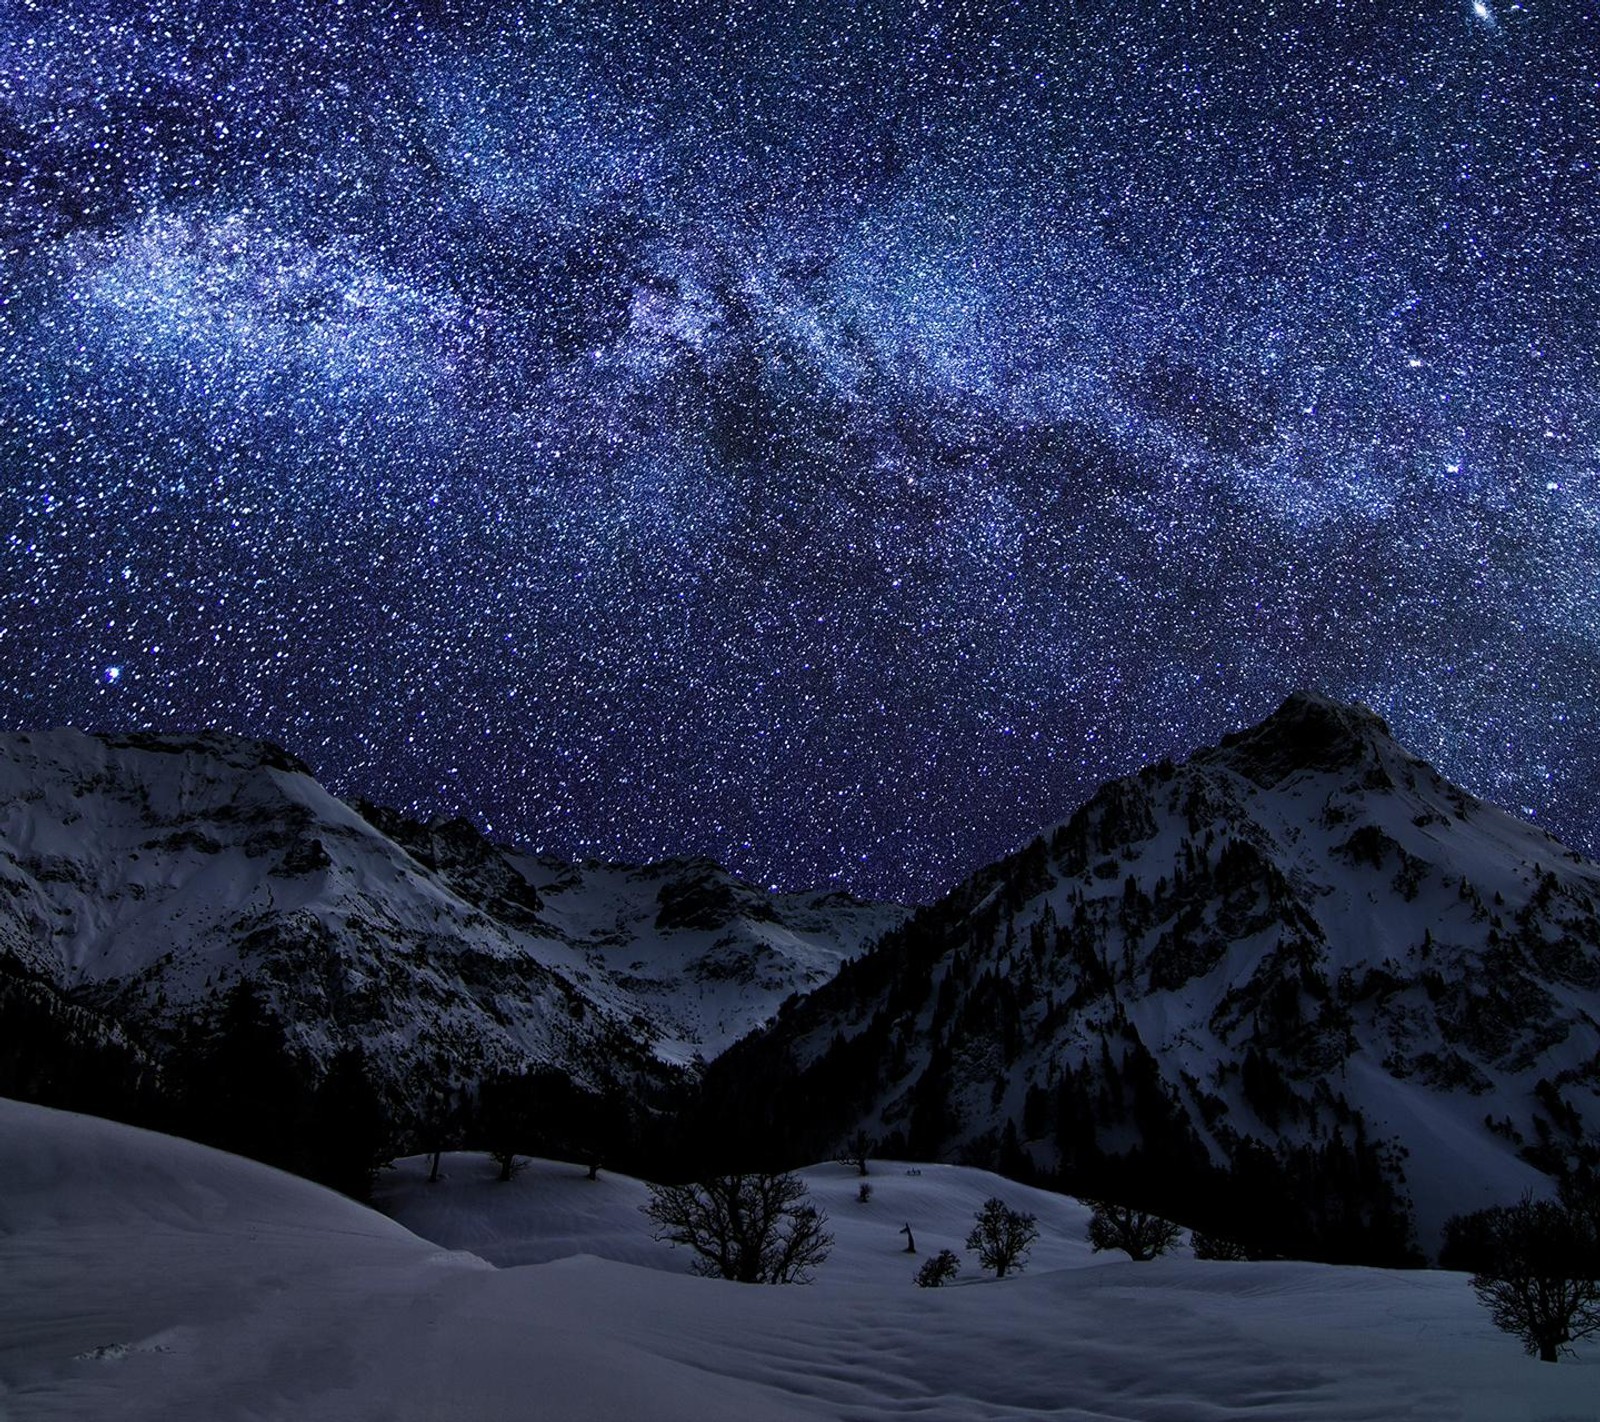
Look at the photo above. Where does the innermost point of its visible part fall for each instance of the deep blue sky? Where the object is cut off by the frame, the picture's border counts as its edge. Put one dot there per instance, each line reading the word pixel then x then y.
pixel 829 437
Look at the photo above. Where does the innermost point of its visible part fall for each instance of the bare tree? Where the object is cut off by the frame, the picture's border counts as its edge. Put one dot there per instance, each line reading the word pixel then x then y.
pixel 1002 1237
pixel 1140 1235
pixel 1537 1269
pixel 856 1151
pixel 441 1123
pixel 511 1164
pixel 755 1229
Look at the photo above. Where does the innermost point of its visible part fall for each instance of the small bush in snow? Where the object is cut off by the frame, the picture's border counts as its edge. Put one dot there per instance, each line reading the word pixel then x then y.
pixel 1219 1246
pixel 1139 1235
pixel 938 1270
pixel 1002 1237
pixel 863 1192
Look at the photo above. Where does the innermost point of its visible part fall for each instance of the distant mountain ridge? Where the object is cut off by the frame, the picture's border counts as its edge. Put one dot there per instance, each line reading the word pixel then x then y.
pixel 1299 988
pixel 1302 956
pixel 145 875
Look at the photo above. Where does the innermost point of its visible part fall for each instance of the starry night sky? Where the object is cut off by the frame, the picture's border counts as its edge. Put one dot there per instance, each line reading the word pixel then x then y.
pixel 830 437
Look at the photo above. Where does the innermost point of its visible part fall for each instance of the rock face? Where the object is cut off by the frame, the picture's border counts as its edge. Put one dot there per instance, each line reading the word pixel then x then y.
pixel 1300 983
pixel 142 877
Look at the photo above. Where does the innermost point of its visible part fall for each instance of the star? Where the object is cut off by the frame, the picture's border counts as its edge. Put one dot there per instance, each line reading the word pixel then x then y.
pixel 826 439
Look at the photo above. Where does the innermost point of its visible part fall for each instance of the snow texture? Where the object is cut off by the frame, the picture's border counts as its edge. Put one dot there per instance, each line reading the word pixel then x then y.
pixel 148 1278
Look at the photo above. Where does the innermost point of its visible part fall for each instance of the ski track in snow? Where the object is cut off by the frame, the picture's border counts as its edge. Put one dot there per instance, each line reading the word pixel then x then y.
pixel 150 1278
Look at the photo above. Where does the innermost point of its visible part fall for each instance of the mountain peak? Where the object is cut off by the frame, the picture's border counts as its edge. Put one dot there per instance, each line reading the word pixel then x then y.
pixel 1308 732
pixel 1303 946
pixel 231 751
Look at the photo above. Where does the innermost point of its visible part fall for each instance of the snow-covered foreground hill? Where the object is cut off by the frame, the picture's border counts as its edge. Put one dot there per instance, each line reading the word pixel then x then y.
pixel 148 1278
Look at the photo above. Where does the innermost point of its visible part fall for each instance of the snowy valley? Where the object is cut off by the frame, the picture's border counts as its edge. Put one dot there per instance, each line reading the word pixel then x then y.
pixel 150 1278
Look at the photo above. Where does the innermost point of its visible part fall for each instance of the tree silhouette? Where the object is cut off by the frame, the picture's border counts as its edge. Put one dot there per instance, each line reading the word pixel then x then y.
pixel 754 1229
pixel 1002 1237
pixel 1137 1233
pixel 506 1121
pixel 349 1132
pixel 857 1150
pixel 1536 1267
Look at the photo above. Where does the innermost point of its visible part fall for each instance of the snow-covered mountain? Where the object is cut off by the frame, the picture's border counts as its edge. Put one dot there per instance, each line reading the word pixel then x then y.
pixel 1299 986
pixel 1300 981
pixel 143 876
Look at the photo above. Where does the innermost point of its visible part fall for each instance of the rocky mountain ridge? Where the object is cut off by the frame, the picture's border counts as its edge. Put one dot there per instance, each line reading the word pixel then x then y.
pixel 1300 956
pixel 145 875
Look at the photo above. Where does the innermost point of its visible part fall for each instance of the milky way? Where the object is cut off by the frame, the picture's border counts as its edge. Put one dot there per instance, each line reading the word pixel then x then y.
pixel 832 437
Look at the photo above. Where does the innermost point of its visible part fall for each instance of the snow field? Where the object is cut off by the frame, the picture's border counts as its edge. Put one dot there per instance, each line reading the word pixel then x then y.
pixel 144 1278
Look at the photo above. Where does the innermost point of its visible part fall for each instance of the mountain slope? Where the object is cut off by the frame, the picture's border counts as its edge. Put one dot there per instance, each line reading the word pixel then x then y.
pixel 1300 981
pixel 146 876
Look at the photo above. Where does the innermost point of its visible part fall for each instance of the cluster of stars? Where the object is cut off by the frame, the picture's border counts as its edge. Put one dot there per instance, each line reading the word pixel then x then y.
pixel 832 438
